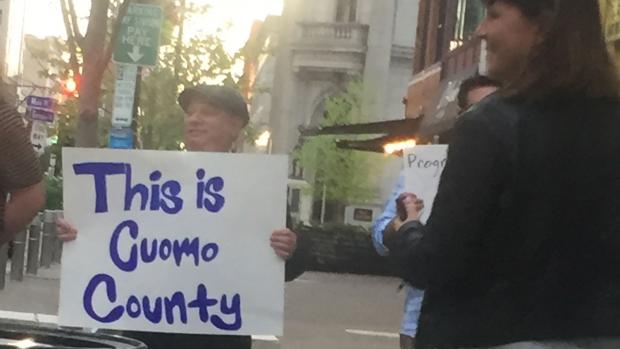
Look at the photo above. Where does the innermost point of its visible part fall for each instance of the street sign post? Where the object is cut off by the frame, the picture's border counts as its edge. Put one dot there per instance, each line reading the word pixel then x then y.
pixel 40 115
pixel 39 102
pixel 38 137
pixel 40 108
pixel 120 138
pixel 124 94
pixel 138 40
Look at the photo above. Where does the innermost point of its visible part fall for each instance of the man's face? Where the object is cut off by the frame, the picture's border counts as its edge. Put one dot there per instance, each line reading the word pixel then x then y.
pixel 477 94
pixel 510 37
pixel 208 128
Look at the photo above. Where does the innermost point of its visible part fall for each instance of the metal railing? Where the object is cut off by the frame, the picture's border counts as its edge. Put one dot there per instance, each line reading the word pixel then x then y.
pixel 38 246
pixel 350 34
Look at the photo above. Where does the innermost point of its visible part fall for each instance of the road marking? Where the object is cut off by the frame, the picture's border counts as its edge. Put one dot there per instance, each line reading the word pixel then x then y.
pixel 373 333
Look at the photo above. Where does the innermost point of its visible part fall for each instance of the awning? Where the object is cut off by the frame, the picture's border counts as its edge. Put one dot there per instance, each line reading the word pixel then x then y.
pixel 439 120
pixel 373 145
pixel 401 127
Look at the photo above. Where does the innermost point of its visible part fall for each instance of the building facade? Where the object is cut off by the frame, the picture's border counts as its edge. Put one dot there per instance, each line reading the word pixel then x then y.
pixel 12 15
pixel 323 44
pixel 311 52
pixel 446 52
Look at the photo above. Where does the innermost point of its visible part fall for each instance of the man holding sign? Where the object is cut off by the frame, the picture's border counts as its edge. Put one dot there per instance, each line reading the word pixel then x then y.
pixel 215 116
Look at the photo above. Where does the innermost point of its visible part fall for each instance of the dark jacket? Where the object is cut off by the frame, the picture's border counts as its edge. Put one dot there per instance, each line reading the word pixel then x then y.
pixel 523 242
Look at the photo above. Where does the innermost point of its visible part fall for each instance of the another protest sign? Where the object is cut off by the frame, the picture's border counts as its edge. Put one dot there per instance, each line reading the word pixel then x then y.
pixel 423 167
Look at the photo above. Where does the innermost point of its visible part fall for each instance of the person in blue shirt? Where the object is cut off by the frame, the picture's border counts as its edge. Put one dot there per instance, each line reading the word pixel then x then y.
pixel 413 300
pixel 472 90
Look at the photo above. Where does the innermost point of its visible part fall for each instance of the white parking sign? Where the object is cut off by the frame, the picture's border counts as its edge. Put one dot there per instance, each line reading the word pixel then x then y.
pixel 38 137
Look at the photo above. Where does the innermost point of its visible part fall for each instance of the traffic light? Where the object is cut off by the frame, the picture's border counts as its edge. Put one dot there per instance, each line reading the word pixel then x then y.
pixel 70 87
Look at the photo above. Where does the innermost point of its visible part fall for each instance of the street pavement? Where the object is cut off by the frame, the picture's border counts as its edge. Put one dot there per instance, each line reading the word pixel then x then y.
pixel 321 310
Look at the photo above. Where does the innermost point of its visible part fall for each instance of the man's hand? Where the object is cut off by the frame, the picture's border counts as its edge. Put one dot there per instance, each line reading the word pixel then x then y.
pixel 284 243
pixel 66 231
pixel 413 207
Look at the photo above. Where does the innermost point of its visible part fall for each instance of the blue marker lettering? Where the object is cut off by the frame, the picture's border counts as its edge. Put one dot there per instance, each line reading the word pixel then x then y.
pixel 155 314
pixel 233 309
pixel 99 171
pixel 132 262
pixel 202 303
pixel 177 300
pixel 110 288
pixel 186 248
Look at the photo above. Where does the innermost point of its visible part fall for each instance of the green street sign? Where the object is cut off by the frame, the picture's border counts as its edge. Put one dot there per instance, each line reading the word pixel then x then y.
pixel 138 38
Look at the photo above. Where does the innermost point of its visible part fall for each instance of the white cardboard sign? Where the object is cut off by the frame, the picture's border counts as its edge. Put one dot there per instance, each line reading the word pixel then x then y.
pixel 423 167
pixel 173 241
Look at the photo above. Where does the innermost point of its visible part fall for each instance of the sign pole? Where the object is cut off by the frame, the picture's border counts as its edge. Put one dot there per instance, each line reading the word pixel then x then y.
pixel 137 45
pixel 136 106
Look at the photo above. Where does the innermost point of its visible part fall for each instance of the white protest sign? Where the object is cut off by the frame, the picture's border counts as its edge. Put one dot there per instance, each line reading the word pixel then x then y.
pixel 173 241
pixel 423 167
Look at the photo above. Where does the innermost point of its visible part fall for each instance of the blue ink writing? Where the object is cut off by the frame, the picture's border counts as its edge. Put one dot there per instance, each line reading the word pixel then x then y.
pixel 158 196
pixel 99 171
pixel 164 249
pixel 110 288
pixel 173 309
pixel 208 192
pixel 437 165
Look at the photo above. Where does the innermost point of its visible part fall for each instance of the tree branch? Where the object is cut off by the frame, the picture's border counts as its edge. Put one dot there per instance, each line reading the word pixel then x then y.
pixel 69 27
pixel 78 37
pixel 122 11
pixel 179 44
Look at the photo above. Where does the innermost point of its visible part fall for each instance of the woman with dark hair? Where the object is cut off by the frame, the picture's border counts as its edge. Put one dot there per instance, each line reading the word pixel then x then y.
pixel 522 249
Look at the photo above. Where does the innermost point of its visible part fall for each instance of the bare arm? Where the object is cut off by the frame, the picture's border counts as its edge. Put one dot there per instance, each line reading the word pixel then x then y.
pixel 20 175
pixel 23 205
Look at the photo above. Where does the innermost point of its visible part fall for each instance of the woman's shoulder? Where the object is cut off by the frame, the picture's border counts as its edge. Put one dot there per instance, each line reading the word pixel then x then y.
pixel 491 108
pixel 493 113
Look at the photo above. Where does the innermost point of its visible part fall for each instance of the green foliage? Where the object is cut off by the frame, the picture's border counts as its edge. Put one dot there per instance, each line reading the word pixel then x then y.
pixel 54 193
pixel 202 59
pixel 345 173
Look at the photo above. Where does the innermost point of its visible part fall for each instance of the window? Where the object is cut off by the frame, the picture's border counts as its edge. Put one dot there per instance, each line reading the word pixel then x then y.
pixel 469 14
pixel 363 215
pixel 295 200
pixel 346 11
pixel 297 171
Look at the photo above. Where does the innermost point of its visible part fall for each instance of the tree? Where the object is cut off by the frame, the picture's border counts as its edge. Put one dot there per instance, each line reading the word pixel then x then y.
pixel 202 59
pixel 90 55
pixel 344 174
pixel 181 62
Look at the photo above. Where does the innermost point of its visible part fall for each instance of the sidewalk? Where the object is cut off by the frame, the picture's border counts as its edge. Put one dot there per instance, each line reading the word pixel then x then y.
pixel 36 294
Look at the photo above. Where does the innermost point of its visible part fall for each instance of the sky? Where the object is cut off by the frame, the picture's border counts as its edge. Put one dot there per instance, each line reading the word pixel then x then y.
pixel 44 18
